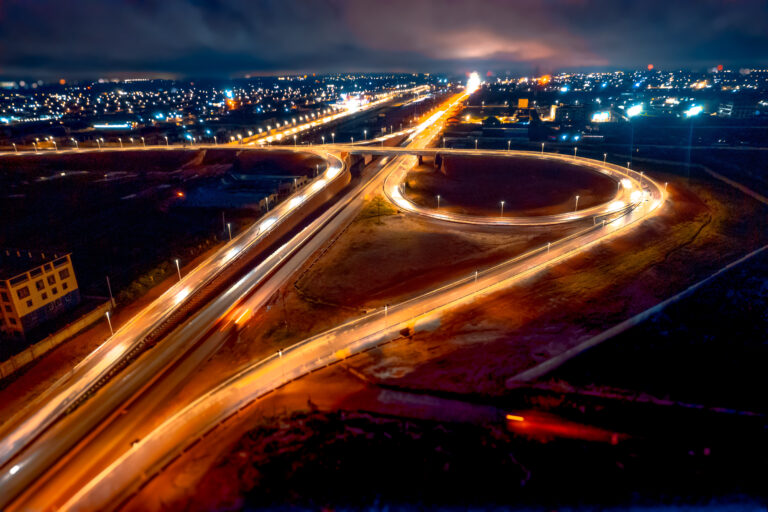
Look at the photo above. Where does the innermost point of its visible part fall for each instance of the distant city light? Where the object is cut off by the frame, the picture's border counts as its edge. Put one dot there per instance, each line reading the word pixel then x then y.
pixel 693 111
pixel 108 126
pixel 634 110
pixel 601 117
pixel 473 82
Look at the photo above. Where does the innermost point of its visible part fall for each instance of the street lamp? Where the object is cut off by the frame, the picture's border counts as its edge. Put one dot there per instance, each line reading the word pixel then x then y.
pixel 15 149
pixel 34 143
pixel 365 134
pixel 75 141
pixel 131 139
pixel 574 153
pixel 542 148
pixel 322 137
pixel 229 228
pixel 111 332
pixel 438 201
pixel 98 143
pixel 502 208
pixel 605 156
pixel 577 204
pixel 352 139
pixel 215 141
pixel 509 145
pixel 121 142
pixel 333 137
pixel 627 165
pixel 294 141
pixel 475 144
pixel 178 269
pixel 55 146
pixel 166 140
pixel 143 142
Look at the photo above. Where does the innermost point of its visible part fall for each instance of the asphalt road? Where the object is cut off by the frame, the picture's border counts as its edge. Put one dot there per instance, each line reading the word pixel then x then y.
pixel 89 460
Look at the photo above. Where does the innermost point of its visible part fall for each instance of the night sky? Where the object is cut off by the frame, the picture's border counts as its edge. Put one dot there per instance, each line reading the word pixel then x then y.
pixel 199 38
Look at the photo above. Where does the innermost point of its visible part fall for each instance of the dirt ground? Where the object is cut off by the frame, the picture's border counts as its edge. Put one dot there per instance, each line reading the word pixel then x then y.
pixel 527 186
pixel 381 258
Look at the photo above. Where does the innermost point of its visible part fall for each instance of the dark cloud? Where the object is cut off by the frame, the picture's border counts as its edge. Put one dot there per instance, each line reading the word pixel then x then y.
pixel 230 38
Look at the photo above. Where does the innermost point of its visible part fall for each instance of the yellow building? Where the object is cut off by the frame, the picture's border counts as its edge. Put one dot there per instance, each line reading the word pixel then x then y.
pixel 34 287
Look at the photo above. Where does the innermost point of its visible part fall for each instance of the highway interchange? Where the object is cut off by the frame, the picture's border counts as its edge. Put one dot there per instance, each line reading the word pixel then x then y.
pixel 89 443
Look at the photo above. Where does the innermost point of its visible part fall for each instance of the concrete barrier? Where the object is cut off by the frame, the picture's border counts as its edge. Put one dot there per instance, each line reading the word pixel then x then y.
pixel 15 363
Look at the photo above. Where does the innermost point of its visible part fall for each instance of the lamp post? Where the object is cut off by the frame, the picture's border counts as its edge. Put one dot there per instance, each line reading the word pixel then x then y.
pixel 438 201
pixel 229 229
pixel 98 143
pixel 577 204
pixel 475 144
pixel 77 146
pixel 509 145
pixel 35 145
pixel 294 141
pixel 215 141
pixel 542 148
pixel 166 140
pixel 574 152
pixel 55 146
pixel 365 134
pixel 15 149
pixel 178 268
pixel 143 142
pixel 333 137
pixel 121 142
pixel 322 138
pixel 502 208
pixel 605 156
pixel 111 332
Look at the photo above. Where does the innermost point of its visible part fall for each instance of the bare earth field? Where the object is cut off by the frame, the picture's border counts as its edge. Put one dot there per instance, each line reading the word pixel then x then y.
pixel 381 258
pixel 528 186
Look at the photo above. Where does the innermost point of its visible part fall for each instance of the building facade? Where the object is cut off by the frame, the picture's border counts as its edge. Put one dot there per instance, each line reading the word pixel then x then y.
pixel 34 288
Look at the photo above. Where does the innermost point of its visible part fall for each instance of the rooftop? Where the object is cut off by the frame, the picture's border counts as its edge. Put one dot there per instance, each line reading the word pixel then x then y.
pixel 17 261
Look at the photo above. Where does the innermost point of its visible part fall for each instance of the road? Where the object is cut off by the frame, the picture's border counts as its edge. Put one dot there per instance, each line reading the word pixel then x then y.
pixel 101 365
pixel 126 474
pixel 104 468
pixel 26 464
